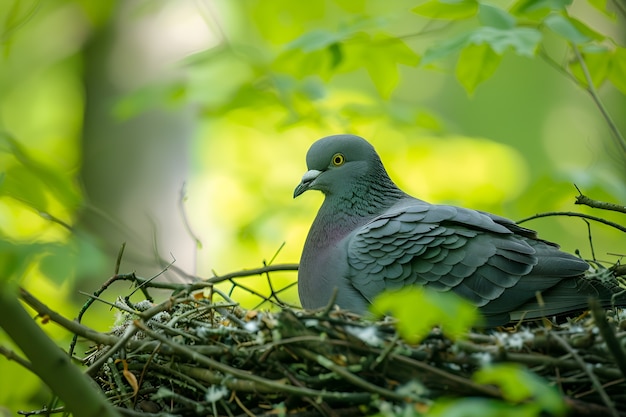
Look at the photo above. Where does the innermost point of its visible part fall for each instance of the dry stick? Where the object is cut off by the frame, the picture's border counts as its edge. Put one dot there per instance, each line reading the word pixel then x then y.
pixel 487 390
pixel 238 373
pixel 198 285
pixel 608 335
pixel 12 356
pixel 352 378
pixel 247 273
pixel 98 363
pixel 572 214
pixel 603 205
pixel 71 325
pixel 584 366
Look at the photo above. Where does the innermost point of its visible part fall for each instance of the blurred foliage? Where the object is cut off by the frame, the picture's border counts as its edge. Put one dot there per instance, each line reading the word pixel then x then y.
pixel 454 315
pixel 473 103
pixel 526 394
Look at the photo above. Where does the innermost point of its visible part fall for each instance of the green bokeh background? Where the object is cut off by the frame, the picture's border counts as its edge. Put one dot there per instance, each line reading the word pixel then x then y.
pixel 181 127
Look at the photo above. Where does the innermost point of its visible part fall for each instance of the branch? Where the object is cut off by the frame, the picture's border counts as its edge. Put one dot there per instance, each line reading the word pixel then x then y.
pixel 572 214
pixel 608 335
pixel 591 89
pixel 586 201
pixel 586 368
pixel 50 363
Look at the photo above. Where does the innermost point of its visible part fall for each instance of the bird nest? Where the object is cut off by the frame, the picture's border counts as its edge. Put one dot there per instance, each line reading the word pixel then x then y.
pixel 198 353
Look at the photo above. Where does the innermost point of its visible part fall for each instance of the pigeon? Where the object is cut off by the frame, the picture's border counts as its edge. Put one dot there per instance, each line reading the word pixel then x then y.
pixel 369 236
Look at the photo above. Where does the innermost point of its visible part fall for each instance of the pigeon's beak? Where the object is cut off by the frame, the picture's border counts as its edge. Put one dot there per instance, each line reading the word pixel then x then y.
pixel 307 180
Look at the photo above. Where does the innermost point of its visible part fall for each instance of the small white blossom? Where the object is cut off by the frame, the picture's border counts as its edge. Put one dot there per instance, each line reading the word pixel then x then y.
pixel 215 393
pixel 368 334
pixel 252 326
pixel 483 358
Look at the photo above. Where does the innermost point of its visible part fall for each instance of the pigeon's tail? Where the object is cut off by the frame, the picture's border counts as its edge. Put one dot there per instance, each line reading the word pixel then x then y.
pixel 572 295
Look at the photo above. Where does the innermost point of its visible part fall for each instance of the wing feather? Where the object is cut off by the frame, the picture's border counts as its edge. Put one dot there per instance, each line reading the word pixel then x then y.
pixel 442 247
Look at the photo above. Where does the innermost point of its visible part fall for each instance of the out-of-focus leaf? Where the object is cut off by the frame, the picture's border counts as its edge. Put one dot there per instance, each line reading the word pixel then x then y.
pixel 316 40
pixel 586 30
pixel 600 5
pixel 598 63
pixel 476 64
pixel 524 41
pixel 538 9
pixel 23 185
pixel 561 25
pixel 518 385
pixel 446 48
pixel 17 257
pixel 354 6
pixel 479 407
pixel 57 262
pixel 32 181
pixel 447 9
pixel 495 17
pixel 617 74
pixel 385 54
pixel 454 314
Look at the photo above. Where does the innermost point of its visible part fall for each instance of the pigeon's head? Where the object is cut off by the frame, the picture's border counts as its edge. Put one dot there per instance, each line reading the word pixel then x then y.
pixel 336 162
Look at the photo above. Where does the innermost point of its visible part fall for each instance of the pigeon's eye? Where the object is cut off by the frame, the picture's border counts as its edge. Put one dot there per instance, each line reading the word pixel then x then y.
pixel 338 159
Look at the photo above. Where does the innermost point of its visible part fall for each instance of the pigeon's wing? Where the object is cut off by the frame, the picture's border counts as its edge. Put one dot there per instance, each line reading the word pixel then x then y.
pixel 444 248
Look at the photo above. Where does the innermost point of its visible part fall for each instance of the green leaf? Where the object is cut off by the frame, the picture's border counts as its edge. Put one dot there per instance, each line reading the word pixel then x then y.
pixel 519 385
pixel 598 63
pixel 446 48
pixel 35 182
pixel 495 17
pixel 57 262
pixel 600 5
pixel 315 40
pixel 538 9
pixel 524 41
pixel 586 30
pixel 617 73
pixel 336 54
pixel 447 9
pixel 454 314
pixel 480 407
pixel 561 25
pixel 476 64
pixel 24 186
pixel 382 59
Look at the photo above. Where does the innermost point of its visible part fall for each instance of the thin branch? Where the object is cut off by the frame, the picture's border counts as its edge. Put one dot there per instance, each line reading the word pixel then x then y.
pixel 608 335
pixel 591 89
pixel 238 373
pixel 586 201
pixel 586 368
pixel 247 273
pixel 572 214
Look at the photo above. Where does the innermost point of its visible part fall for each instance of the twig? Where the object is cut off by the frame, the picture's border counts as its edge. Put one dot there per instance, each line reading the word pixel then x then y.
pixel 118 261
pixel 247 273
pixel 592 377
pixel 591 89
pixel 572 214
pixel 238 373
pixel 97 364
pixel 608 335
pixel 586 201
pixel 352 378
pixel 12 356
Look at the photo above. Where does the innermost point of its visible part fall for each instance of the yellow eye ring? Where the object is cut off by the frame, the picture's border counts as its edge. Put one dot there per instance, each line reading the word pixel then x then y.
pixel 338 159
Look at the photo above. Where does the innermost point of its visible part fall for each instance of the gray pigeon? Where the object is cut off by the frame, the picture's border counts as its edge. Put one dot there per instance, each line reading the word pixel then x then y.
pixel 370 236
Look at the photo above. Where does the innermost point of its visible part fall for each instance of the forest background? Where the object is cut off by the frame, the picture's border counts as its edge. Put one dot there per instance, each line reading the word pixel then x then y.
pixel 180 128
